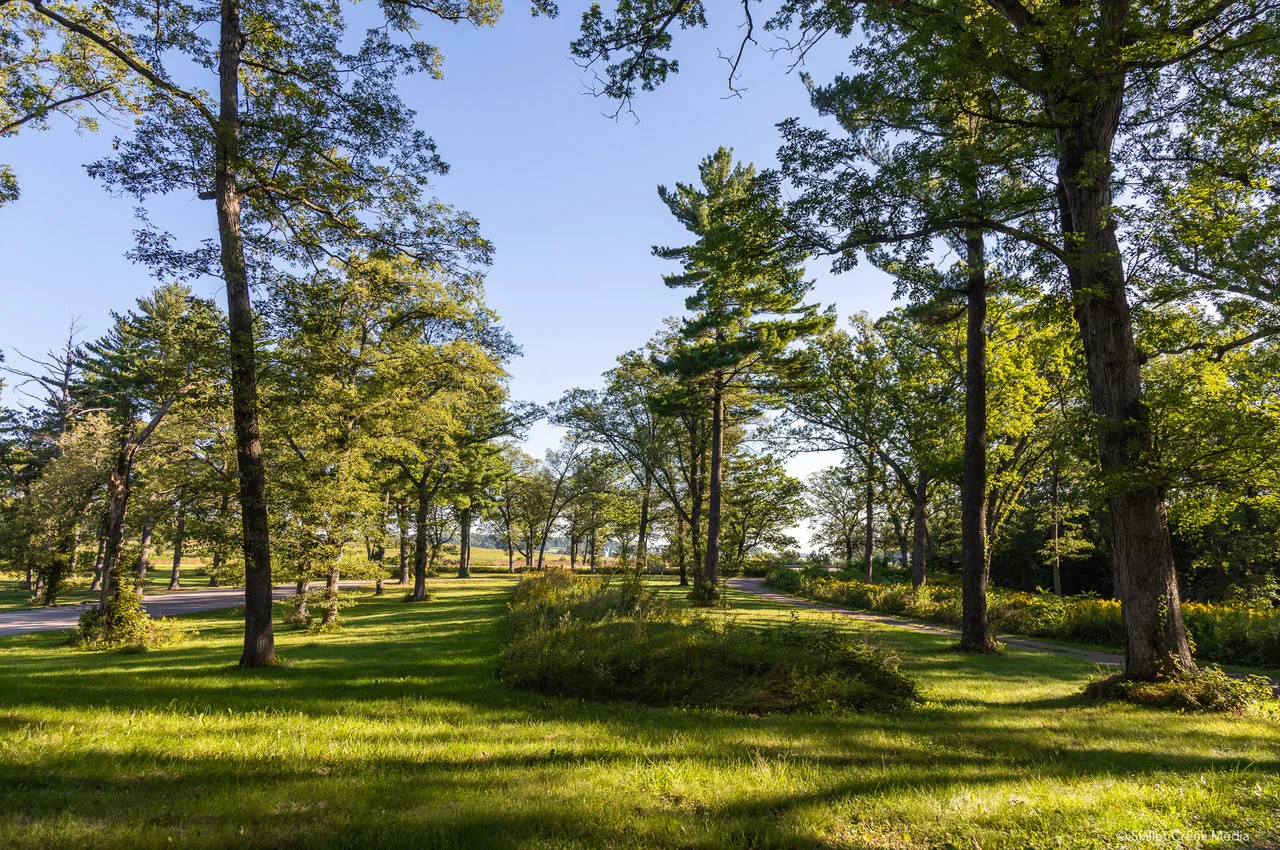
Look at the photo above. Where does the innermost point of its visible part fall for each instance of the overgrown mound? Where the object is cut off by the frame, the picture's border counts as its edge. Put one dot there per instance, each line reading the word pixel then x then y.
pixel 124 624
pixel 614 639
pixel 1206 689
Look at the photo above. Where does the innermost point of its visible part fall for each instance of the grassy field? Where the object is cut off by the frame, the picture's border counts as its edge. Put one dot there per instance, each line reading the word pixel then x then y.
pixel 395 733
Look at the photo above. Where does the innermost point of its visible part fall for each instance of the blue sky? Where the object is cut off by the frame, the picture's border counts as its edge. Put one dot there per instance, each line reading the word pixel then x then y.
pixel 566 194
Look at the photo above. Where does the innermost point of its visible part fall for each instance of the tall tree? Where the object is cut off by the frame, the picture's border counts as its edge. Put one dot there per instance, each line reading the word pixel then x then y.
pixel 149 361
pixel 747 304
pixel 294 131
pixel 1099 80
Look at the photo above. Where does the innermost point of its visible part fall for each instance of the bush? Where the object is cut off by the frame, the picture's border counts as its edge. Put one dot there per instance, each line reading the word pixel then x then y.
pixel 785 580
pixel 1207 689
pixel 124 624
pixel 615 640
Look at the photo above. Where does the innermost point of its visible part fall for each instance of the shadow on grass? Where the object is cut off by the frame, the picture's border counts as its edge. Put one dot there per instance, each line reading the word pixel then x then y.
pixel 394 732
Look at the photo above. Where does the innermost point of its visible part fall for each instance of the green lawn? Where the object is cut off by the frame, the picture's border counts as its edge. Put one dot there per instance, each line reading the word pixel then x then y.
pixel 395 733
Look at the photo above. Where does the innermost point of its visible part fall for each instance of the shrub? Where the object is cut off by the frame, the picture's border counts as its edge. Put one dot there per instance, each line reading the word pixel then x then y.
pixel 124 624
pixel 615 640
pixel 785 580
pixel 1207 689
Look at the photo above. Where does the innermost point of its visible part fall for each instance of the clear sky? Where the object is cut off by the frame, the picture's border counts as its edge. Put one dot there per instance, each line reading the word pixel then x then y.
pixel 566 194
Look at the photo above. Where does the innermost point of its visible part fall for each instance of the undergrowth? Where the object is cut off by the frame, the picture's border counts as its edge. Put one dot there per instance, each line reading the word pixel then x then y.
pixel 124 624
pixel 1206 689
pixel 615 640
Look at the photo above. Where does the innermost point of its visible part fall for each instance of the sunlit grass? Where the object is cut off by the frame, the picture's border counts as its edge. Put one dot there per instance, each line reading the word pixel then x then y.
pixel 395 733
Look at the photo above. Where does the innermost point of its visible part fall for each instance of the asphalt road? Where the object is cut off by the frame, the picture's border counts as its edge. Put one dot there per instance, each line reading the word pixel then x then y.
pixel 159 605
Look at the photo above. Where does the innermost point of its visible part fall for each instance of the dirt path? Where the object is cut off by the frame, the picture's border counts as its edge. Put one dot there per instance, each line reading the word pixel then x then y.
pixel 755 586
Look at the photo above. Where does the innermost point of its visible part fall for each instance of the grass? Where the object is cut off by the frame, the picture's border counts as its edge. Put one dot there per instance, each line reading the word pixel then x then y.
pixel 395 733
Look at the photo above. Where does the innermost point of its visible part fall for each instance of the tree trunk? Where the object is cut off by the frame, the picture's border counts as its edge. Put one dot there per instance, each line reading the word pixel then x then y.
pixel 711 568
pixel 464 543
pixel 1057 521
pixel 680 553
pixel 144 552
pixel 919 529
pixel 402 519
pixel 868 545
pixel 1146 583
pixel 511 551
pixel 300 608
pixel 421 543
pixel 259 639
pixel 178 534
pixel 97 560
pixel 975 630
pixel 642 538
pixel 118 487
pixel 218 554
pixel 330 615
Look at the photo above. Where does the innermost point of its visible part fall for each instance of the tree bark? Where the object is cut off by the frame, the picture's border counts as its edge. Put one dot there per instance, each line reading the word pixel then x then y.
pixel 218 554
pixel 118 488
pixel 97 560
pixel 330 615
pixel 402 518
pixel 1057 522
pixel 975 629
pixel 711 568
pixel 642 538
pixel 144 552
pixel 1155 640
pixel 680 553
pixel 300 608
pixel 178 534
pixel 464 543
pixel 868 545
pixel 919 529
pixel 421 542
pixel 259 637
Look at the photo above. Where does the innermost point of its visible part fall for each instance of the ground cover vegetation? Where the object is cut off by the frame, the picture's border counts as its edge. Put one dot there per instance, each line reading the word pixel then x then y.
pixel 595 639
pixel 424 745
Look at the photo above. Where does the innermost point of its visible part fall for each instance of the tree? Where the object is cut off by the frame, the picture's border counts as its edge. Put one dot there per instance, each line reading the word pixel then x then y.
pixel 887 389
pixel 761 502
pixel 742 270
pixel 319 159
pixel 841 500
pixel 622 419
pixel 554 480
pixel 150 360
pixel 1099 80
pixel 47 72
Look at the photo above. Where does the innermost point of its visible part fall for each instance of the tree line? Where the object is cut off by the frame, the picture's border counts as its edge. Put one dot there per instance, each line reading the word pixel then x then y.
pixel 1086 185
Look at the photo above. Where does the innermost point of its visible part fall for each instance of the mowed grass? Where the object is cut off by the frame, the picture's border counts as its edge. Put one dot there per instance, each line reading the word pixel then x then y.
pixel 395 733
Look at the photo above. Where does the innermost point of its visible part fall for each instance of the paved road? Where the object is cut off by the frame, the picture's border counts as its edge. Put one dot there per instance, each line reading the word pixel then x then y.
pixel 159 605
pixel 756 587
